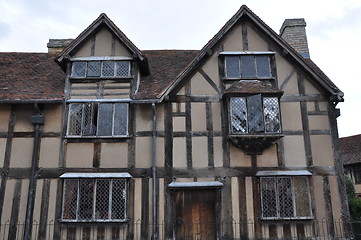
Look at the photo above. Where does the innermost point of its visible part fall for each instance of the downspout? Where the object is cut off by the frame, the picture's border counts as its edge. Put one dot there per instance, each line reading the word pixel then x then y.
pixel 37 120
pixel 154 176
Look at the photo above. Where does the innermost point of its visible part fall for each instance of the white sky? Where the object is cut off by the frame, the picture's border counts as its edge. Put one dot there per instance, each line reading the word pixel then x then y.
pixel 333 29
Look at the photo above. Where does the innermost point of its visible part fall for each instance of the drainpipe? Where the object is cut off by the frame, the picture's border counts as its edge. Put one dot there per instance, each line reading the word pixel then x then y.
pixel 37 120
pixel 154 175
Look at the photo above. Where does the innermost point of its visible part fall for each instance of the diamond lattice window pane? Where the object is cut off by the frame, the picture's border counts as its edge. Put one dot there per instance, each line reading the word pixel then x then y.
pixel 93 69
pixel 302 197
pixel 119 199
pixel 70 199
pixel 102 199
pixel 75 119
pixel 248 66
pixel 255 114
pixel 122 68
pixel 86 199
pixel 78 69
pixel 89 124
pixel 238 115
pixel 271 115
pixel 269 202
pixel 108 68
pixel 285 198
pixel 232 67
pixel 263 66
pixel 121 119
pixel 105 119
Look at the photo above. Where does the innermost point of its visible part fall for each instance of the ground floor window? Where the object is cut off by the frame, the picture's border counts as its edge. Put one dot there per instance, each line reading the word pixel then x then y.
pixel 285 197
pixel 95 199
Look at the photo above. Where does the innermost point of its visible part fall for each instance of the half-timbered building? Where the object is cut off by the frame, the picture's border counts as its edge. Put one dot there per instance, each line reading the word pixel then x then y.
pixel 238 140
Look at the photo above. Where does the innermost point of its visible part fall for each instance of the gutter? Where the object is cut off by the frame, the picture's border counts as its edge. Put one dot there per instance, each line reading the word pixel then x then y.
pixel 37 120
pixel 154 176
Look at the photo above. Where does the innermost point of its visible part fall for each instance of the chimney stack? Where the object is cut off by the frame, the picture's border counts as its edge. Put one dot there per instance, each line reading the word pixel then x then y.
pixel 57 45
pixel 294 32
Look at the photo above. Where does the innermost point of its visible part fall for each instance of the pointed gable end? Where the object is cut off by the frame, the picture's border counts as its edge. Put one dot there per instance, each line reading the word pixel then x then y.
pixel 103 23
pixel 246 16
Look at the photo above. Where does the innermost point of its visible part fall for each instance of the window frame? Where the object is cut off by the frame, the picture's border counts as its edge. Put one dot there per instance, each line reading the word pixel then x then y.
pixel 240 55
pixel 266 124
pixel 356 171
pixel 101 60
pixel 292 175
pixel 110 177
pixel 95 120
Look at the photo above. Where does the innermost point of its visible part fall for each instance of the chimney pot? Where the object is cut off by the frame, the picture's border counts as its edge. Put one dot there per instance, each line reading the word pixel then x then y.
pixel 294 32
pixel 57 45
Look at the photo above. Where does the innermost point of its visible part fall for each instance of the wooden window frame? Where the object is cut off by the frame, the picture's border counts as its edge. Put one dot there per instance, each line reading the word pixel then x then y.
pixel 101 60
pixel 76 213
pixel 256 65
pixel 88 125
pixel 264 124
pixel 293 191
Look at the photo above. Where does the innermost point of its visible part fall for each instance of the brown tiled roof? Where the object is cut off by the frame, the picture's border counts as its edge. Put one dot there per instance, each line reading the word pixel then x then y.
pixel 30 77
pixel 350 148
pixel 164 66
pixel 36 77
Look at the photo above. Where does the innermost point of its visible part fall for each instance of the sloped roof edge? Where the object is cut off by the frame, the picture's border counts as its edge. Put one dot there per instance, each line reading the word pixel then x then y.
pixel 308 66
pixel 103 19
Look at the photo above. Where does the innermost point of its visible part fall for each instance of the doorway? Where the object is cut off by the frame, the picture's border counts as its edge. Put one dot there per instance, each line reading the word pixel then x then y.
pixel 195 214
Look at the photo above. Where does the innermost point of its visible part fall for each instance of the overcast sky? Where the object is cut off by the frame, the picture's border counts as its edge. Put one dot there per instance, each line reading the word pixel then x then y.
pixel 333 29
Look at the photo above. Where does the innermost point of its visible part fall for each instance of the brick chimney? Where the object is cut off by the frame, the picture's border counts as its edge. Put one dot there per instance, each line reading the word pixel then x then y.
pixel 294 32
pixel 57 45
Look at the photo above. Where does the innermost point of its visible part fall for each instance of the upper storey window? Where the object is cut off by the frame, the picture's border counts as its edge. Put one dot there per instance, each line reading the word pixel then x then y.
pixel 247 65
pixel 108 68
pixel 255 114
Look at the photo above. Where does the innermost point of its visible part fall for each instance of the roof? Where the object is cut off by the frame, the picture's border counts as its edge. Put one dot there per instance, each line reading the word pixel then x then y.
pixel 30 77
pixel 252 87
pixel 350 148
pixel 36 77
pixel 164 66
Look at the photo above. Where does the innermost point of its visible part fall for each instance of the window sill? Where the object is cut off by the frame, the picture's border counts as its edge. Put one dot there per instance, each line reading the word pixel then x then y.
pixel 280 219
pixel 72 139
pixel 101 78
pixel 247 78
pixel 97 137
pixel 65 221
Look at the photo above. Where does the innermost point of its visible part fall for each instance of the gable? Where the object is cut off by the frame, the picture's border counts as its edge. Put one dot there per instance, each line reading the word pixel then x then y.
pixel 246 32
pixel 103 31
pixel 102 43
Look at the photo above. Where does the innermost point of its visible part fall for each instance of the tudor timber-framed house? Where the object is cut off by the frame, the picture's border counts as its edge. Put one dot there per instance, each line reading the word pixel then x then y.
pixel 235 141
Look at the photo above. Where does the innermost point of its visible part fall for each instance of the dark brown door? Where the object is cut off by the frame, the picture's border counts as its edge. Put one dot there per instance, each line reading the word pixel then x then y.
pixel 195 214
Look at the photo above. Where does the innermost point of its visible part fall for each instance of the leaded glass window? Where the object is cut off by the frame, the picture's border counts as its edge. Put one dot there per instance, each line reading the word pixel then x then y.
pixel 97 120
pixel 254 114
pixel 285 197
pixel 81 69
pixel 248 66
pixel 95 199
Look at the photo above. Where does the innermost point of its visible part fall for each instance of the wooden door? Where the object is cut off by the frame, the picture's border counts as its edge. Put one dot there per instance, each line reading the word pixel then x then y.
pixel 195 214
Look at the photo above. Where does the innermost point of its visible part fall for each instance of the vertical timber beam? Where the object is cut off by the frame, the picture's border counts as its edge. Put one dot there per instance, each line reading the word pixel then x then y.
pixel 37 120
pixel 210 141
pixel 345 213
pixel 14 219
pixel 305 122
pixel 8 148
pixel 168 177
